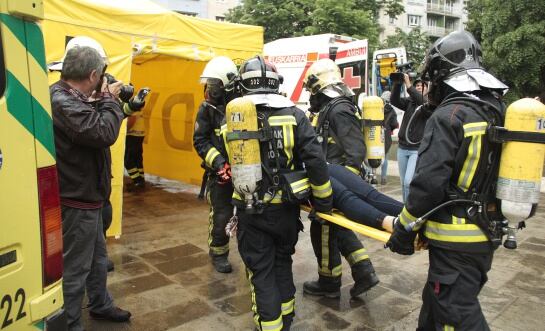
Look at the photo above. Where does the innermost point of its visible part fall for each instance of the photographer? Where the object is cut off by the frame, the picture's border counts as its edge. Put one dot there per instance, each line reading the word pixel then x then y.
pixel 87 116
pixel 412 127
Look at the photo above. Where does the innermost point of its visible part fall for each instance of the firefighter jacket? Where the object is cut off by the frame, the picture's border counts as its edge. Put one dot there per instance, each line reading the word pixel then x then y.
pixel 84 132
pixel 293 147
pixel 452 160
pixel 410 136
pixel 340 133
pixel 206 137
pixel 136 125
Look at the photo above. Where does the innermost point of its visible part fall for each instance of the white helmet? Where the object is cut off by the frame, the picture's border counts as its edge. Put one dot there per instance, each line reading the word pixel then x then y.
pixel 79 41
pixel 324 76
pixel 220 67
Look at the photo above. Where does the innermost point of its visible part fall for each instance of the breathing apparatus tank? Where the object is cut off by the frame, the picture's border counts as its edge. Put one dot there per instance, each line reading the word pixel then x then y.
pixel 521 163
pixel 243 149
pixel 373 130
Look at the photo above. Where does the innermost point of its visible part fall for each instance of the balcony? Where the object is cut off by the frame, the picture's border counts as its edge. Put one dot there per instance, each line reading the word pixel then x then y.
pixel 442 9
pixel 437 31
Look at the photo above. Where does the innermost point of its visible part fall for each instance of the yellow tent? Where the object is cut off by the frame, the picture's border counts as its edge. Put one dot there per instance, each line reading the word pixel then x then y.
pixel 149 45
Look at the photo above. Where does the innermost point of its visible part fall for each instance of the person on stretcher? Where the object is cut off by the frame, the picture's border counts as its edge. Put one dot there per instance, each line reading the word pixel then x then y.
pixel 361 202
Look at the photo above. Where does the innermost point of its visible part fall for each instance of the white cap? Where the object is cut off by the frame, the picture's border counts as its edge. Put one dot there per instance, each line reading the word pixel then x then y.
pixel 79 41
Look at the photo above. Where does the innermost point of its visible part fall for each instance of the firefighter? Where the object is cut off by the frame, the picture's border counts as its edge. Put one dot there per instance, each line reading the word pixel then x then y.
pixel 268 230
pixel 216 77
pixel 134 161
pixel 339 130
pixel 456 161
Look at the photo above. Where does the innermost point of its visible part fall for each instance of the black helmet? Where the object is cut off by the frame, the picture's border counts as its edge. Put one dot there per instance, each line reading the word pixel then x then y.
pixel 259 76
pixel 453 53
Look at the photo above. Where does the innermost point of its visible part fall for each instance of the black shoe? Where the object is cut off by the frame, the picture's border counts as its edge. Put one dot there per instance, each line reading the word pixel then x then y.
pixel 383 181
pixel 221 264
pixel 115 314
pixel 110 266
pixel 364 284
pixel 315 288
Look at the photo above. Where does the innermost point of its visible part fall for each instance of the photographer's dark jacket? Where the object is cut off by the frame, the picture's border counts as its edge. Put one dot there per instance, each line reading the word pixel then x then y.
pixel 415 132
pixel 345 144
pixel 83 134
pixel 206 137
pixel 390 124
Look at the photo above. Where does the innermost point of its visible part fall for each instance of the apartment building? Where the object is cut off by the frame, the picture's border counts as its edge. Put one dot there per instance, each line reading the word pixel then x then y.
pixel 436 17
pixel 212 9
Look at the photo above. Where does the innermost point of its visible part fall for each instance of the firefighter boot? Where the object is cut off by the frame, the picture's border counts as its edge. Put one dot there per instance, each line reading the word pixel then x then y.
pixel 221 264
pixel 364 276
pixel 328 287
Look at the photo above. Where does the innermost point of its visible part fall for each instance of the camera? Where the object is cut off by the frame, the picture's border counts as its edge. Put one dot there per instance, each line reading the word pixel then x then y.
pixel 405 68
pixel 126 92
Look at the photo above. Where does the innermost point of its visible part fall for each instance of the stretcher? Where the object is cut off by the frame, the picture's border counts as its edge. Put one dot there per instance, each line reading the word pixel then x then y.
pixel 359 228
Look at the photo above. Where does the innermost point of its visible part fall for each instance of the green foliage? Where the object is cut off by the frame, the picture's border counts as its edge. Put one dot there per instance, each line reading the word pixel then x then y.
pixel 290 18
pixel 416 44
pixel 342 17
pixel 513 39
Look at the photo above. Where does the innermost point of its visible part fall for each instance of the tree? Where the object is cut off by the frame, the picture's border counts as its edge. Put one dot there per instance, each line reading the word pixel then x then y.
pixel 342 17
pixel 289 18
pixel 513 35
pixel 416 44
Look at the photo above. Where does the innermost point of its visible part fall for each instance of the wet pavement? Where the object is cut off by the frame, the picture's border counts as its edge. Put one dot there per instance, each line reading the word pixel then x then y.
pixel 164 277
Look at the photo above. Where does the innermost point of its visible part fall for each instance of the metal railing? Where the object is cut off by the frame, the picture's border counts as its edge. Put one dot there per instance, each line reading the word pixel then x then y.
pixel 438 31
pixel 443 9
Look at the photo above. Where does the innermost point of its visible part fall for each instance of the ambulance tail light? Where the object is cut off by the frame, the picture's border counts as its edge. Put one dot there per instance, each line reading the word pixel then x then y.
pixel 50 221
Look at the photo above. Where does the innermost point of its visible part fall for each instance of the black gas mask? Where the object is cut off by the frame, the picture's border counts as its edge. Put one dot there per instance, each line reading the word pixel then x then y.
pixel 214 93
pixel 317 101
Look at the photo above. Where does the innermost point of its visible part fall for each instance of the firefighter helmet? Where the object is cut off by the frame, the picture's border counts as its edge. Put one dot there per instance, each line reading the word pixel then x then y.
pixel 220 67
pixel 458 51
pixel 258 75
pixel 79 41
pixel 321 74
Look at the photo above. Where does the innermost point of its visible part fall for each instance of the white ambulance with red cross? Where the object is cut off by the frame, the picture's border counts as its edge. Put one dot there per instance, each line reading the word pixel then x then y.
pixel 293 57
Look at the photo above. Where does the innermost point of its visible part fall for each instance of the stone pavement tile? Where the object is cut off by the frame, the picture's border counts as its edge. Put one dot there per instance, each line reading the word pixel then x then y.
pixel 216 290
pixel 534 240
pixel 235 305
pixel 171 253
pixel 129 270
pixel 493 302
pixel 157 299
pixel 173 316
pixel 137 285
pixel 183 264
pixel 213 322
pixel 383 311
pixel 521 315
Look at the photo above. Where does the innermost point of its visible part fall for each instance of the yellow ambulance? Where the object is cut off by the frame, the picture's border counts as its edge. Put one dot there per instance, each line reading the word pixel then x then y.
pixel 30 217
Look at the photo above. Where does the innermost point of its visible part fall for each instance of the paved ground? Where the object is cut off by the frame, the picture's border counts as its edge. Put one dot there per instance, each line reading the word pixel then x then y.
pixel 163 276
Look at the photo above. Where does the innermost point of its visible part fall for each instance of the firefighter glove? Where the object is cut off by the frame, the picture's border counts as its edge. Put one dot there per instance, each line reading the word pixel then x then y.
pixel 401 241
pixel 224 175
pixel 137 102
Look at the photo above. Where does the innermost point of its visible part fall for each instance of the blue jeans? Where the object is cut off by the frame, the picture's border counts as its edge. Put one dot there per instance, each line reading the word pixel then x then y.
pixel 384 167
pixel 358 200
pixel 406 159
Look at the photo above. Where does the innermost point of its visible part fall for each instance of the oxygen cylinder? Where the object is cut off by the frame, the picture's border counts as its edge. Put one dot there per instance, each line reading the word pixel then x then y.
pixel 373 131
pixel 521 163
pixel 244 155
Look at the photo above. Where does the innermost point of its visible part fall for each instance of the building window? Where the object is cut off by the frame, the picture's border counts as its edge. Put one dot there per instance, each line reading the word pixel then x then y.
pixel 414 20
pixel 187 13
pixel 432 22
pixel 392 20
pixel 220 18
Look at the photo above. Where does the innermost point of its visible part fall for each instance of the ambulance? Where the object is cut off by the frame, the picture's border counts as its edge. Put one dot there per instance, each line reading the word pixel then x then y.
pixel 30 217
pixel 293 57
